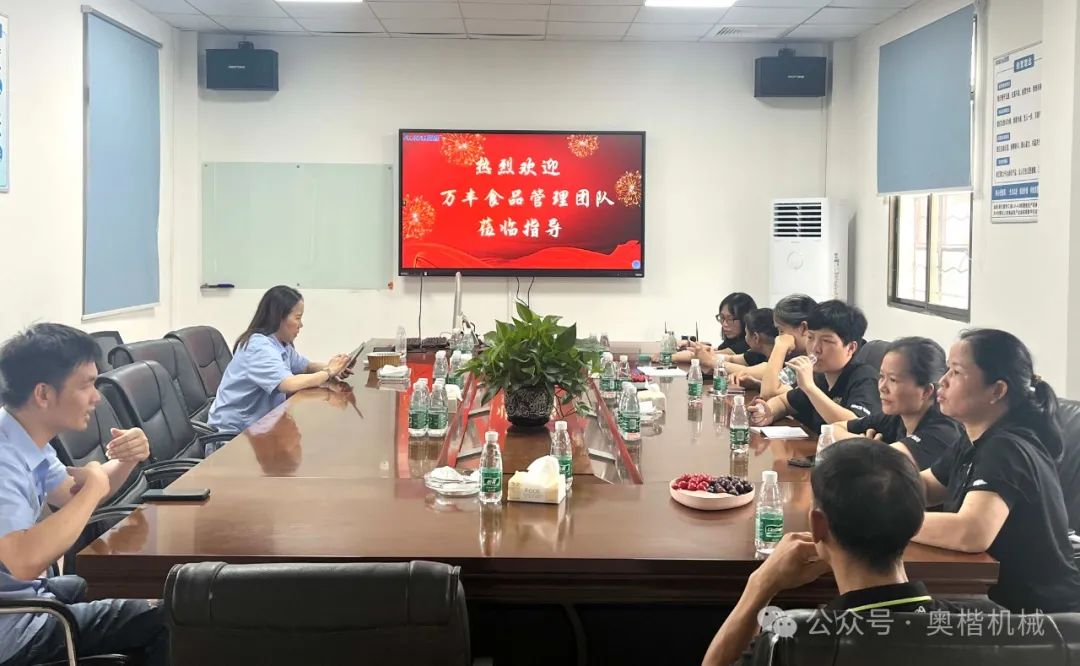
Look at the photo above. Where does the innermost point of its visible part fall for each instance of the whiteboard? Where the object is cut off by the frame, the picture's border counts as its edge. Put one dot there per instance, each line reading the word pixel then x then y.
pixel 323 226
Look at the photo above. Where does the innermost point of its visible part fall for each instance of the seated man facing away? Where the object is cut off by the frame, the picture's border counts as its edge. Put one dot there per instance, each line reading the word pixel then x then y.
pixel 833 388
pixel 868 504
pixel 47 374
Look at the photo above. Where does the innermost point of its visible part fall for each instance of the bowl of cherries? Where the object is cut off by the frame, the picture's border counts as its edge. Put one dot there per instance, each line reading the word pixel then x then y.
pixel 711 493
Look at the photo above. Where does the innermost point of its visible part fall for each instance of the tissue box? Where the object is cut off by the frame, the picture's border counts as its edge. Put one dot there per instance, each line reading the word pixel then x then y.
pixel 521 488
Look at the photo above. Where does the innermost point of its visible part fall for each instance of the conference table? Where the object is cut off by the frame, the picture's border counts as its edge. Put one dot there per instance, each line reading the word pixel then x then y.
pixel 333 476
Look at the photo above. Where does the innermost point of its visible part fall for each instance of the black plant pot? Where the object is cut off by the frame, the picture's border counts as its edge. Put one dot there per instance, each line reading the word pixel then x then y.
pixel 529 407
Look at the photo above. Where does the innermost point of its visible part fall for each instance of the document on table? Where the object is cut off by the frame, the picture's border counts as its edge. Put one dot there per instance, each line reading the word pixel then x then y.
pixel 782 432
pixel 650 371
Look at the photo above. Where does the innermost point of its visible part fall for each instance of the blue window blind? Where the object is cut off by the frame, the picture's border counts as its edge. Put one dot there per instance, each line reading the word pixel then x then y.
pixel 924 107
pixel 123 164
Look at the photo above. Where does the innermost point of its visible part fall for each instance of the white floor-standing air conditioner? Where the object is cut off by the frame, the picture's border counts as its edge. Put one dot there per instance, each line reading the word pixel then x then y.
pixel 808 249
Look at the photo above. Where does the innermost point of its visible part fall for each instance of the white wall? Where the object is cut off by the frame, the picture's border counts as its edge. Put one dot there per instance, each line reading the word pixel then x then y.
pixel 716 156
pixel 41 218
pixel 1020 273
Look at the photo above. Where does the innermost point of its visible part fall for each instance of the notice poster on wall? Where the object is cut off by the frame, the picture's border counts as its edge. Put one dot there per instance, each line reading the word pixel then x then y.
pixel 1016 153
pixel 4 115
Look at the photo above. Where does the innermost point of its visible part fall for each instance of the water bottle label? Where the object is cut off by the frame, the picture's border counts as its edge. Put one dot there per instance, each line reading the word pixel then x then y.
pixel 770 528
pixel 418 420
pixel 694 389
pixel 665 358
pixel 720 384
pixel 608 385
pixel 436 420
pixel 490 480
pixel 631 423
pixel 566 467
pixel 740 437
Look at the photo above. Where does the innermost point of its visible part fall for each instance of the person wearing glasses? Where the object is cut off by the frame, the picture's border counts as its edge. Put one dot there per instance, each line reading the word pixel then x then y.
pixel 730 315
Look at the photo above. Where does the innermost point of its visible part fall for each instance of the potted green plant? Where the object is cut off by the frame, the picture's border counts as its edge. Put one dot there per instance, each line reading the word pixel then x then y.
pixel 531 360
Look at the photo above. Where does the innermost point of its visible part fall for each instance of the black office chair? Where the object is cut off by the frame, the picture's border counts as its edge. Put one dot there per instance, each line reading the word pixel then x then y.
pixel 75 449
pixel 285 614
pixel 106 341
pixel 871 353
pixel 174 357
pixel 209 351
pixel 1069 467
pixel 67 622
pixel 928 639
pixel 143 396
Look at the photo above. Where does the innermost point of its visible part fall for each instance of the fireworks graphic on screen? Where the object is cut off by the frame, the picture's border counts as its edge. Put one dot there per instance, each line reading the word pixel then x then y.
pixel 417 217
pixel 462 149
pixel 583 145
pixel 628 188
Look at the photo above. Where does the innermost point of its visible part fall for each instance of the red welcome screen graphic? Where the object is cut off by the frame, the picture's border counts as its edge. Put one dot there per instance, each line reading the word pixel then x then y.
pixel 522 203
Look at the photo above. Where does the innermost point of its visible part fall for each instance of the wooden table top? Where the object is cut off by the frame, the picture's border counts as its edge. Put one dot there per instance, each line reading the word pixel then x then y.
pixel 332 476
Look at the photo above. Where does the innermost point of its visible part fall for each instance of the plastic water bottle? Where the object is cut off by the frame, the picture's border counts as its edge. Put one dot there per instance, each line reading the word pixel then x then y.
pixel 720 378
pixel 788 376
pixel 769 518
pixel 605 342
pixel 418 410
pixel 739 425
pixel 441 368
pixel 609 381
pixel 491 469
pixel 630 416
pixel 667 348
pixel 401 343
pixel 825 440
pixel 438 413
pixel 623 371
pixel 563 450
pixel 694 380
pixel 454 373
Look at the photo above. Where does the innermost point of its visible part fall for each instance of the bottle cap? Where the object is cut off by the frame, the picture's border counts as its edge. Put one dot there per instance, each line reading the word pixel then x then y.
pixel 560 426
pixel 622 358
pixel 695 362
pixel 739 400
pixel 492 436
pixel 769 476
pixel 608 356
pixel 440 354
pixel 440 382
pixel 826 430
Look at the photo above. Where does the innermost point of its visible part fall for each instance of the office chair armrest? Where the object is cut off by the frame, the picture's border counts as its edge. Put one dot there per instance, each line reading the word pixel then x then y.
pixel 202 429
pixel 110 512
pixel 218 437
pixel 169 466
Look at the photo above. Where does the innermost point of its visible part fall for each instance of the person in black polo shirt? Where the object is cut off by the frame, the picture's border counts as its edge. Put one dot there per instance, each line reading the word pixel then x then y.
pixel 790 315
pixel 730 317
pixel 760 338
pixel 868 503
pixel 910 419
pixel 836 387
pixel 1001 493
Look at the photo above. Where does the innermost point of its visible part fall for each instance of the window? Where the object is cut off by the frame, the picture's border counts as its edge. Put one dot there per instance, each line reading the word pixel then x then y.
pixel 930 253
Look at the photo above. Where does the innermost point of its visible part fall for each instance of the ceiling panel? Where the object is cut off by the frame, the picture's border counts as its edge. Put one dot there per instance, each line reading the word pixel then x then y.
pixel 587 30
pixel 344 11
pixel 250 8
pixel 191 22
pixel 369 24
pixel 258 24
pixel 425 26
pixel 507 12
pixel 852 16
pixel 602 14
pixel 827 32
pixel 492 27
pixel 415 10
pixel 667 31
pixel 763 16
pixel 167 6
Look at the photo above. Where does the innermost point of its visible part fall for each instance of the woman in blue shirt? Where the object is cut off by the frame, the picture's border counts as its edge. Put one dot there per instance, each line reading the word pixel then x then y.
pixel 266 367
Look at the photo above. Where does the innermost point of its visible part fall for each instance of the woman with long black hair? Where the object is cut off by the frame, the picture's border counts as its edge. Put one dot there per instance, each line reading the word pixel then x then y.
pixel 266 367
pixel 1001 492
